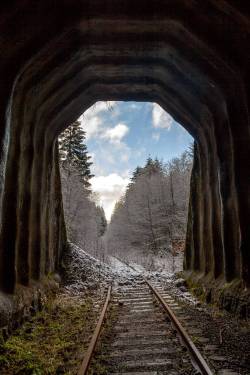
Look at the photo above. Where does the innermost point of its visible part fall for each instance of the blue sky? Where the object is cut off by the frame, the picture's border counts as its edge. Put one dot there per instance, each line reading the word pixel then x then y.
pixel 120 136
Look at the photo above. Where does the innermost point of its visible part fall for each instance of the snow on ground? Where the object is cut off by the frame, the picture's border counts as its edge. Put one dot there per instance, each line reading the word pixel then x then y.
pixel 122 269
pixel 165 273
pixel 83 272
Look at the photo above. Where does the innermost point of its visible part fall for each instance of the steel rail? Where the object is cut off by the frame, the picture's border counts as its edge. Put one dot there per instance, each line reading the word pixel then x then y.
pixel 195 353
pixel 87 358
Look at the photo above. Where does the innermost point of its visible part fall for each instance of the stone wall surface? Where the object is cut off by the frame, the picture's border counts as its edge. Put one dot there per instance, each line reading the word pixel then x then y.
pixel 58 58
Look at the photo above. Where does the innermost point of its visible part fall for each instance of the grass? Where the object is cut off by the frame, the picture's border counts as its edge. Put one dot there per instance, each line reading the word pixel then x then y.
pixel 53 341
pixel 99 362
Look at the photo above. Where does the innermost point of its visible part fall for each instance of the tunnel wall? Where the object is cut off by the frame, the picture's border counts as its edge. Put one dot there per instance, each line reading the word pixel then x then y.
pixel 186 56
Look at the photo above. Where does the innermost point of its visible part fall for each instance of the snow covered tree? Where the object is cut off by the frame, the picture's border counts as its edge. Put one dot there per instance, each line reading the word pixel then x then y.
pixel 73 152
pixel 101 220
pixel 85 220
pixel 136 173
pixel 153 210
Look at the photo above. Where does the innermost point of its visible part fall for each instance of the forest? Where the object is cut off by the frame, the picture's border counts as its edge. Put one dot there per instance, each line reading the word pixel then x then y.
pixel 85 218
pixel 148 223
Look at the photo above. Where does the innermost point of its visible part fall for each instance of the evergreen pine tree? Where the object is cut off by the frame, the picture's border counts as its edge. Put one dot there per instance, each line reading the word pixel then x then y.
pixel 153 166
pixel 136 174
pixel 102 221
pixel 73 152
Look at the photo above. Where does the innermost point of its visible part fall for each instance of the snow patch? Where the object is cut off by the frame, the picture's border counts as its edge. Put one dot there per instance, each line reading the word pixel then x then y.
pixel 82 272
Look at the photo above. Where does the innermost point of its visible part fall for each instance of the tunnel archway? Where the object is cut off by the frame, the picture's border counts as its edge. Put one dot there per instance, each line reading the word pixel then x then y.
pixel 178 54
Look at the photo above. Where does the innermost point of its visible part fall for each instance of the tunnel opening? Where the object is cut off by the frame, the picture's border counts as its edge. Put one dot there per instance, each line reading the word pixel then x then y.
pixel 125 173
pixel 164 54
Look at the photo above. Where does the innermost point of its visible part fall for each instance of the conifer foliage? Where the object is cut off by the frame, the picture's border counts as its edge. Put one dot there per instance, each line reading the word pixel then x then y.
pixel 153 211
pixel 73 152
pixel 85 219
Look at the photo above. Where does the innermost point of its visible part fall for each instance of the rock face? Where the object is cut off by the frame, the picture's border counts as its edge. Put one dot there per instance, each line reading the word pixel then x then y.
pixel 57 59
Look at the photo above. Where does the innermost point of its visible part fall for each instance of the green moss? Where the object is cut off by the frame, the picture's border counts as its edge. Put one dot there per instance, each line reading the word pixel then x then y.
pixel 196 290
pixel 51 342
pixel 233 285
pixel 99 362
pixel 180 275
pixel 195 339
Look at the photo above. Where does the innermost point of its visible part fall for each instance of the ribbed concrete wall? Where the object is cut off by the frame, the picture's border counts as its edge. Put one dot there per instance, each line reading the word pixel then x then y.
pixel 191 57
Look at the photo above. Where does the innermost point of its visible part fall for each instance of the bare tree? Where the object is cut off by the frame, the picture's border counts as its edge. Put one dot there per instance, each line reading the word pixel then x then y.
pixel 85 220
pixel 152 212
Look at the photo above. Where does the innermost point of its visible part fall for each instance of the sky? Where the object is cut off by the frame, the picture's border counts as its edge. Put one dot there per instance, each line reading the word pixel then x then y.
pixel 120 136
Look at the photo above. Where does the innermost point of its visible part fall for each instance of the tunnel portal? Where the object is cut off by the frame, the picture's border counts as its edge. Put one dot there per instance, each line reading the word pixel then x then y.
pixel 191 57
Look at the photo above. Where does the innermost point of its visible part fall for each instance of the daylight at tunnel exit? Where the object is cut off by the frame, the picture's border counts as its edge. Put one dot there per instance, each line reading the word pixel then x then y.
pixel 124 187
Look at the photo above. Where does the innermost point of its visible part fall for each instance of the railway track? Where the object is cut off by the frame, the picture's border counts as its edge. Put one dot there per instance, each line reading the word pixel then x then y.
pixel 148 338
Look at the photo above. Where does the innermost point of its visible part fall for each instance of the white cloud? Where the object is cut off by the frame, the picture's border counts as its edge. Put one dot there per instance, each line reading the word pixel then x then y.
pixel 126 173
pixel 92 121
pixel 92 126
pixel 134 106
pixel 115 134
pixel 139 152
pixel 125 155
pixel 156 136
pixel 97 169
pixel 160 118
pixel 109 188
pixel 111 104
pixel 98 107
pixel 109 157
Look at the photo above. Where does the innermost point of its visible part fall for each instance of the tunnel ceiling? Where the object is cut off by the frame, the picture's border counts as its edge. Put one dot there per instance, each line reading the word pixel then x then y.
pixel 191 57
pixel 124 51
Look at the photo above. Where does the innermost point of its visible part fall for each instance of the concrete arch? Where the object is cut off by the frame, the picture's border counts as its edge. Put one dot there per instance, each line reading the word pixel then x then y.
pixel 183 55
